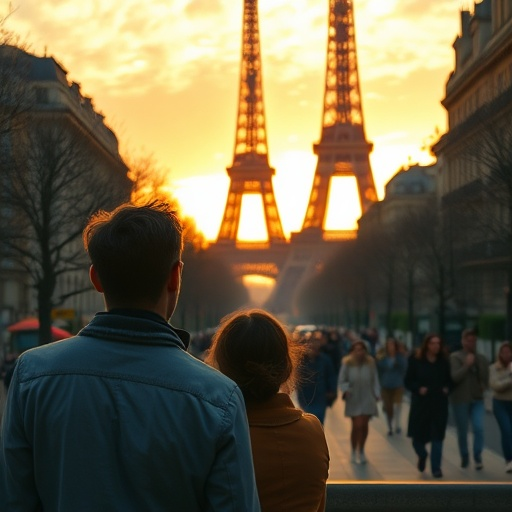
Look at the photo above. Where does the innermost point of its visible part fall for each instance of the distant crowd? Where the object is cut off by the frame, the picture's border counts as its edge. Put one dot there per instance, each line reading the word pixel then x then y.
pixel 363 372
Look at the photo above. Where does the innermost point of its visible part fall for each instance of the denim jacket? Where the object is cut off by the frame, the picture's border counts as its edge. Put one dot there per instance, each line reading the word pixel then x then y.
pixel 122 418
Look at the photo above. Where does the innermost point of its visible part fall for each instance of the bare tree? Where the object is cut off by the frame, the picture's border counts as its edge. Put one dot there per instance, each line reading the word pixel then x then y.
pixel 411 248
pixel 52 183
pixel 150 180
pixel 16 96
pixel 489 155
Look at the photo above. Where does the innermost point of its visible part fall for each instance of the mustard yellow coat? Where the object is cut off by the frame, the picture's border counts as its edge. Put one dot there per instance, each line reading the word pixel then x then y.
pixel 291 458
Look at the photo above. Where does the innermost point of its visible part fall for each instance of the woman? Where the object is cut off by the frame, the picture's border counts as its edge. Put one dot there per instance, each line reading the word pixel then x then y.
pixel 359 384
pixel 428 380
pixel 392 364
pixel 291 458
pixel 500 381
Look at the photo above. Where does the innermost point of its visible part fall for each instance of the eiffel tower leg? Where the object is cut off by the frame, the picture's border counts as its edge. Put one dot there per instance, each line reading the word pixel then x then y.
pixel 366 186
pixel 272 220
pixel 231 219
pixel 317 206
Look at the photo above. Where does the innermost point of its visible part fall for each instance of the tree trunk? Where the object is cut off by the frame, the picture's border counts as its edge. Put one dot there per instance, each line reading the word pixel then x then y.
pixel 441 304
pixel 44 302
pixel 508 307
pixel 389 304
pixel 410 308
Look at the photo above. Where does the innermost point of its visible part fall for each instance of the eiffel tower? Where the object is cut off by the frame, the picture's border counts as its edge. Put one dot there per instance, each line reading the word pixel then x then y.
pixel 250 172
pixel 343 149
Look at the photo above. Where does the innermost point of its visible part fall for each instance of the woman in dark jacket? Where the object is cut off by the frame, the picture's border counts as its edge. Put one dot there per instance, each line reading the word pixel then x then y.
pixel 428 380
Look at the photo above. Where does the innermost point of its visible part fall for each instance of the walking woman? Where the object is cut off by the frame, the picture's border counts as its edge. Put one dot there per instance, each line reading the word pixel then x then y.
pixel 500 381
pixel 291 458
pixel 359 384
pixel 392 364
pixel 428 379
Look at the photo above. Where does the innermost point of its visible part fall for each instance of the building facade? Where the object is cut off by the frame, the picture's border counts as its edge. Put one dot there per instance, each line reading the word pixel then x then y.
pixel 54 112
pixel 475 157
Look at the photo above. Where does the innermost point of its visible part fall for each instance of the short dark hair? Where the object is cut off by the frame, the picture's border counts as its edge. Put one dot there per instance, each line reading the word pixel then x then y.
pixel 466 333
pixel 134 249
pixel 255 350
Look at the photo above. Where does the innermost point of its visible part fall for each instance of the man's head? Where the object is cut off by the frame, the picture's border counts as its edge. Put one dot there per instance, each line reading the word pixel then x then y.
pixel 135 253
pixel 469 340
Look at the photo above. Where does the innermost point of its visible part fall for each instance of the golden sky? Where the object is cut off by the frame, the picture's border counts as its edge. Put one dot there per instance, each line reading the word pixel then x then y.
pixel 165 74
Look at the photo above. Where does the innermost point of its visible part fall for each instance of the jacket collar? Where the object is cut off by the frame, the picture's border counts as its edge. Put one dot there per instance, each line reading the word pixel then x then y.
pixel 134 326
pixel 278 410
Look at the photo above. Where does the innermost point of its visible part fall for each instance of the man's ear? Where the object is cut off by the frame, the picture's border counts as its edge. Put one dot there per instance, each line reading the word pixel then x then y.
pixel 95 280
pixel 174 281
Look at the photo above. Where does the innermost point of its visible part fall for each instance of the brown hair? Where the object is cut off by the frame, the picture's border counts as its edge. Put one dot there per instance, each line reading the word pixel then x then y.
pixel 356 343
pixel 502 346
pixel 253 348
pixel 133 250
pixel 421 352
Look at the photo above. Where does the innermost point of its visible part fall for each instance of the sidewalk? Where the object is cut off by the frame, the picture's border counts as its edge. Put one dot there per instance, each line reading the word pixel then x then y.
pixel 392 458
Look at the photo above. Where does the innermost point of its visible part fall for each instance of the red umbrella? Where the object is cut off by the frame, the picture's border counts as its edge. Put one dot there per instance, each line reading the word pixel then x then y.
pixel 32 324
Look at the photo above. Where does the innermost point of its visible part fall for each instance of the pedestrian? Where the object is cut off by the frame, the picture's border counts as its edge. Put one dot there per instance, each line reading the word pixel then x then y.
pixel 332 347
pixel 317 388
pixel 470 374
pixel 500 381
pixel 121 417
pixel 428 380
pixel 291 457
pixel 359 384
pixel 392 364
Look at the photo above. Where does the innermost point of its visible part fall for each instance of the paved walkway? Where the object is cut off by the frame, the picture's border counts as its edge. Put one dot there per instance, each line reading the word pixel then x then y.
pixel 392 458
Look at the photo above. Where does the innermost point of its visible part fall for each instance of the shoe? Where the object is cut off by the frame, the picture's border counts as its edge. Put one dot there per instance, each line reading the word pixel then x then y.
pixel 437 473
pixel 478 465
pixel 353 458
pixel 390 433
pixel 362 458
pixel 508 467
pixel 422 462
pixel 464 462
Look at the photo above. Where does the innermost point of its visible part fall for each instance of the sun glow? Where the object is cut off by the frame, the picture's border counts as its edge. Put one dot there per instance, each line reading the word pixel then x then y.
pixel 252 226
pixel 343 207
pixel 204 198
pixel 259 288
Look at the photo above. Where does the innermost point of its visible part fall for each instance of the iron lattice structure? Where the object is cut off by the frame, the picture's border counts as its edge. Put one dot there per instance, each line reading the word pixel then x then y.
pixel 250 172
pixel 343 149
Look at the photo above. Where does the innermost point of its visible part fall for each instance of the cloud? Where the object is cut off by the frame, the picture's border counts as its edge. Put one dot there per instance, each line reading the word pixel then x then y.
pixel 198 8
pixel 129 48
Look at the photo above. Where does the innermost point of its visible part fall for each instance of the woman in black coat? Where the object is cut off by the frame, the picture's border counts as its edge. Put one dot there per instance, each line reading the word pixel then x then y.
pixel 428 380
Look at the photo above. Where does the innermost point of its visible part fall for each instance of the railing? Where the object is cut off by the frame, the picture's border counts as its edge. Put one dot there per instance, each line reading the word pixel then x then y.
pixel 418 497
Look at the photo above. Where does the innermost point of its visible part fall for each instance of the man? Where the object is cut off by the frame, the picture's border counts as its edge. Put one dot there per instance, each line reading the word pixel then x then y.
pixel 317 389
pixel 121 417
pixel 470 374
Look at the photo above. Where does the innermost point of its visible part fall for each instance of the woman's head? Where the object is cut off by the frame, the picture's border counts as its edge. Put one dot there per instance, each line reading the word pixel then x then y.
pixel 391 346
pixel 359 350
pixel 252 348
pixel 505 353
pixel 432 345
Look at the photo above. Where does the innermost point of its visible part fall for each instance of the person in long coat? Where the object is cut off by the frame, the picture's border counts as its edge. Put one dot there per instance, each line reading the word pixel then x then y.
pixel 359 383
pixel 428 379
